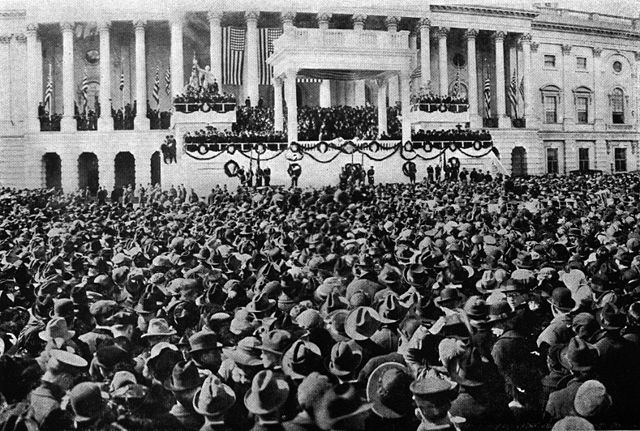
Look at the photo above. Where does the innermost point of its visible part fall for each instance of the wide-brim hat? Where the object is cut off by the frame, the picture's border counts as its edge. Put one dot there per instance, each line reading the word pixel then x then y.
pixel 299 367
pixel 362 323
pixel 246 352
pixel 335 368
pixel 267 393
pixel 188 378
pixel 374 393
pixel 56 329
pixel 225 400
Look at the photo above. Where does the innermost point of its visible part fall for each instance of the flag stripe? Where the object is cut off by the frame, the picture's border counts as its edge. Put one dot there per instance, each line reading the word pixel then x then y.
pixel 85 85
pixel 156 86
pixel 48 92
pixel 232 55
pixel 487 97
pixel 513 94
pixel 167 81
pixel 266 38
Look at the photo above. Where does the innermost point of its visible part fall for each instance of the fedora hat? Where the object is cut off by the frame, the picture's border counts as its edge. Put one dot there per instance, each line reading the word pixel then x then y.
pixel 579 355
pixel 430 387
pixel 335 322
pixel 448 295
pixel 86 401
pixel 63 307
pixel 339 403
pixel 561 299
pixel 246 352
pixel 203 340
pixel 276 341
pixel 390 310
pixel 56 329
pixel 301 359
pixel 334 301
pixel 243 322
pixel 184 376
pixel 213 398
pixel 611 317
pixel 388 391
pixel 267 394
pixel 261 304
pixel 415 275
pixel 390 276
pixel 476 309
pixel 158 327
pixel 500 311
pixel 362 323
pixel 345 358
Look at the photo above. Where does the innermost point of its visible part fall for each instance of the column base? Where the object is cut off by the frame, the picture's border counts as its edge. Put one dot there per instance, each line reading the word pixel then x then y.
pixel 141 124
pixel 504 122
pixel 105 124
pixel 68 124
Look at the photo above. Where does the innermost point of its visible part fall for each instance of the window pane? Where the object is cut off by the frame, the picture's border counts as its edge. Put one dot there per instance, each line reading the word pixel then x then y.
pixel 550 61
pixel 551 109
pixel 582 107
pixel 620 160
pixel 552 160
pixel 581 63
pixel 617 106
pixel 583 159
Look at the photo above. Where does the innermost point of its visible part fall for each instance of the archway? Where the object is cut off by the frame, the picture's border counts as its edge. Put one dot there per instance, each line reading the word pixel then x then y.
pixel 125 170
pixel 519 162
pixel 52 170
pixel 88 172
pixel 155 169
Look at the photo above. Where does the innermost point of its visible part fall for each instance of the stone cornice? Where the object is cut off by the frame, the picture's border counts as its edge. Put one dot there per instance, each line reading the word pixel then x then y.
pixel 577 28
pixel 9 14
pixel 485 10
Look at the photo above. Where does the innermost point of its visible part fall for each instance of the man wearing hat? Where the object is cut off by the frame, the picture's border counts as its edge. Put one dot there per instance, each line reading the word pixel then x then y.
pixel 62 367
pixel 205 350
pixel 184 382
pixel 89 409
pixel 342 409
pixel 559 329
pixel 388 391
pixel 212 401
pixel 433 397
pixel 268 394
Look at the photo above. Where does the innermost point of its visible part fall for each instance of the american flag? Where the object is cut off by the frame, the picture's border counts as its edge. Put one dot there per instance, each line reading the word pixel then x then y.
pixel 266 38
pixel 167 81
pixel 513 94
pixel 48 93
pixel 156 86
pixel 232 55
pixel 122 81
pixel 522 89
pixel 84 88
pixel 487 96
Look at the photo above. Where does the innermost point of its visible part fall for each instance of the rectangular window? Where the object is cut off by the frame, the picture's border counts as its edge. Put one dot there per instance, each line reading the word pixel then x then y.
pixel 620 159
pixel 550 61
pixel 552 160
pixel 582 107
pixel 550 109
pixel 617 107
pixel 581 63
pixel 583 159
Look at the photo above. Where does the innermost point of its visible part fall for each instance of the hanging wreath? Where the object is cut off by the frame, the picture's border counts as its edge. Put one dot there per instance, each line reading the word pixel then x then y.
pixel 322 147
pixel 408 146
pixel 203 149
pixel 349 147
pixel 260 148
pixel 453 145
pixel 294 169
pixel 408 168
pixel 291 156
pixel 455 162
pixel 294 147
pixel 231 168
pixel 477 145
pixel 427 147
pixel 205 107
pixel 231 149
pixel 442 107
pixel 374 146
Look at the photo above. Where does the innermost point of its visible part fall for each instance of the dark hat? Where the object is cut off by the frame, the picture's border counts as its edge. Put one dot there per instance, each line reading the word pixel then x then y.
pixel 86 401
pixel 267 394
pixel 110 356
pixel 213 398
pixel 184 376
pixel 246 352
pixel 340 403
pixel 63 307
pixel 611 318
pixel 579 355
pixel 469 370
pixel 345 358
pixel 261 304
pixel 203 340
pixel 390 310
pixel 476 308
pixel 415 275
pixel 276 341
pixel 585 325
pixel 500 311
pixel 434 388
pixel 561 299
pixel 448 295
pixel 390 276
pixel 301 359
pixel 333 302
pixel 362 323
pixel 388 390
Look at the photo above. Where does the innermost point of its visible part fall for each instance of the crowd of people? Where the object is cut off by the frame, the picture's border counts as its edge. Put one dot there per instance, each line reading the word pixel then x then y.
pixel 458 134
pixel 195 97
pixel 501 304
pixel 347 122
pixel 426 100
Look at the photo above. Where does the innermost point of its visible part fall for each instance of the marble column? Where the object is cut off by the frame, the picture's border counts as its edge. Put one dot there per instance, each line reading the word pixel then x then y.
pixel 358 21
pixel 503 120
pixel 278 112
pixel 382 106
pixel 177 67
pixel 292 105
pixel 33 56
pixel 513 69
pixel 141 122
pixel 215 45
pixel 105 122
pixel 425 53
pixel 325 93
pixel 567 96
pixel 351 93
pixel 525 41
pixel 394 90
pixel 360 93
pixel 443 60
pixel 253 79
pixel 599 102
pixel 68 123
pixel 405 101
pixel 287 18
pixel 474 118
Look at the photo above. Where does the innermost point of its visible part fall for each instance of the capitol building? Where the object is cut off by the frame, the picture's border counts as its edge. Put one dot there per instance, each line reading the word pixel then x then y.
pixel 555 88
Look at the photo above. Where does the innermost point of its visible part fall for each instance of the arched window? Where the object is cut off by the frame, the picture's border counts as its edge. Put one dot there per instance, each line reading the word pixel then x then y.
pixel 550 102
pixel 617 106
pixel 582 97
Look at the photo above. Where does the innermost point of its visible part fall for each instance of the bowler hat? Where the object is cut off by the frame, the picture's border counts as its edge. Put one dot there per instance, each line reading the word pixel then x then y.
pixel 561 299
pixel 500 311
pixel 86 401
pixel 267 394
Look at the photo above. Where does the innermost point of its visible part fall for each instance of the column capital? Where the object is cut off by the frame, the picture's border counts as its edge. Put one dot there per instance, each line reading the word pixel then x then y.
pixel 288 16
pixel 566 49
pixel 251 15
pixel 214 15
pixel 104 26
pixel 290 73
pixel 597 51
pixel 499 36
pixel 442 32
pixel 534 46
pixel 32 29
pixel 277 81
pixel 359 18
pixel 424 22
pixel 139 24
pixel 5 38
pixel 526 38
pixel 471 33
pixel 21 37
pixel 66 26
pixel 392 21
